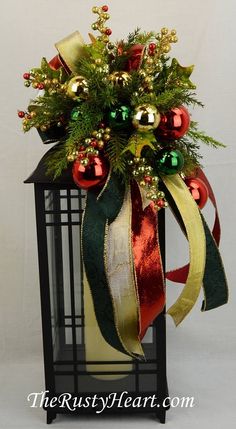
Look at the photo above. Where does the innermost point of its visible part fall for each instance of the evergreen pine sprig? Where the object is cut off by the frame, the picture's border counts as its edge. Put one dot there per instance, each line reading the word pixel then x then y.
pixel 190 152
pixel 174 97
pixel 90 116
pixel 201 136
pixel 114 150
pixel 57 160
pixel 50 107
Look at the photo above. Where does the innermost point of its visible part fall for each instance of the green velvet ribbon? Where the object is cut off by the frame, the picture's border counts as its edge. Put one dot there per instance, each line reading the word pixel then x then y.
pixel 97 213
pixel 214 281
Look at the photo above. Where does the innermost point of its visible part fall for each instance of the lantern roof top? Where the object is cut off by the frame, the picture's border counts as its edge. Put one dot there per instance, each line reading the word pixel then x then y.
pixel 40 175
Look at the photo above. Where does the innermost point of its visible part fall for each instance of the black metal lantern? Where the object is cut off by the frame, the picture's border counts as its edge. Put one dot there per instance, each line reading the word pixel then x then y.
pixel 59 207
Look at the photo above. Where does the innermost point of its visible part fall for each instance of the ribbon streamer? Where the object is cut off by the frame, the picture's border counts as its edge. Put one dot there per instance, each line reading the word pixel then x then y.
pixel 214 280
pixel 96 348
pixel 216 228
pixel 197 246
pixel 99 213
pixel 120 275
pixel 69 50
pixel 147 260
pixel 180 275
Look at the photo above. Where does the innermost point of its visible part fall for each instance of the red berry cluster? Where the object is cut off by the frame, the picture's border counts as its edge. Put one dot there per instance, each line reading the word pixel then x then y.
pixel 30 79
pixel 91 145
pixel 151 49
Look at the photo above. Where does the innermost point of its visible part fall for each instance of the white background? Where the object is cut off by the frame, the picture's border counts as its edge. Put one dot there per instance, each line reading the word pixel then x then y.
pixel 201 352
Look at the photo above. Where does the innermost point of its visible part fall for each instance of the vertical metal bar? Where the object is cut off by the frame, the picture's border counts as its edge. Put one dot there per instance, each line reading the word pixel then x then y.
pixel 81 269
pixel 161 321
pixel 44 288
pixel 59 268
pixel 72 290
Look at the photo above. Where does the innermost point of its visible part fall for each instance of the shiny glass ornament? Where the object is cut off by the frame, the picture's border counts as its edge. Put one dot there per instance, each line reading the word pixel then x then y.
pixel 173 124
pixel 75 113
pixel 119 117
pixel 120 78
pixel 146 117
pixel 198 190
pixel 169 161
pixel 77 88
pixel 91 175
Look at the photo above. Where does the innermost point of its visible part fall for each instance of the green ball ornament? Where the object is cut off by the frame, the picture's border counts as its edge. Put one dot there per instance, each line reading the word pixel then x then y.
pixel 169 161
pixel 119 117
pixel 75 114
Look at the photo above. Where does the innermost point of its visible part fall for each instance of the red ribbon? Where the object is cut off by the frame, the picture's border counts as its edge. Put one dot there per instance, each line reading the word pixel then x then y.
pixel 56 62
pixel 180 274
pixel 147 260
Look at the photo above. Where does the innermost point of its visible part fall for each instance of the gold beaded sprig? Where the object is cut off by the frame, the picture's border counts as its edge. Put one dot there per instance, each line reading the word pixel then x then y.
pixel 164 40
pixel 155 53
pixel 146 178
pixel 91 146
pixel 99 25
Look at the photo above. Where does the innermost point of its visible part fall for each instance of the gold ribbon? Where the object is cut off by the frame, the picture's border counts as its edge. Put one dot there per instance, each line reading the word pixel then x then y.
pixel 197 246
pixel 70 49
pixel 120 276
pixel 96 348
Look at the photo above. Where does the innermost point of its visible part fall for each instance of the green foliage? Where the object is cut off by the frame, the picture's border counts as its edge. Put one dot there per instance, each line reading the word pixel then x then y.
pixel 45 71
pixel 172 87
pixel 138 37
pixel 190 152
pixel 84 126
pixel 49 108
pixel 57 161
pixel 114 151
pixel 201 136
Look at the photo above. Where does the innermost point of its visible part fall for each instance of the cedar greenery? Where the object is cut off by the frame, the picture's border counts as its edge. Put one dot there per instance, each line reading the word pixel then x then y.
pixel 172 87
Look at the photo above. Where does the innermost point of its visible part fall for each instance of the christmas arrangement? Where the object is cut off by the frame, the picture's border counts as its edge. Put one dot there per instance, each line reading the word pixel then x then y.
pixel 118 115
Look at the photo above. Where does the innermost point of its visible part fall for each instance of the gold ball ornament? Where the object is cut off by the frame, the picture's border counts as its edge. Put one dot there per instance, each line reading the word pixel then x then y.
pixel 120 78
pixel 164 31
pixel 77 88
pixel 146 117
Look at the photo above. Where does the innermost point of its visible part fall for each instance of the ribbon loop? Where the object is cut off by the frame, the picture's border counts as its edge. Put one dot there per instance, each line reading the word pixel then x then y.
pixel 197 245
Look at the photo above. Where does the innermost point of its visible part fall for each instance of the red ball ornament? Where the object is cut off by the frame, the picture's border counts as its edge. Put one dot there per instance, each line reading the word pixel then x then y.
pixel 105 8
pixel 198 190
pixel 26 76
pixel 40 86
pixel 160 203
pixel 108 31
pixel 147 179
pixel 174 124
pixel 152 46
pixel 91 175
pixel 94 143
pixel 21 114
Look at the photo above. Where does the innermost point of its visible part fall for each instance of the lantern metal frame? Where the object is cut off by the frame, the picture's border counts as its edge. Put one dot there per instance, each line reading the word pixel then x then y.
pixel 68 363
